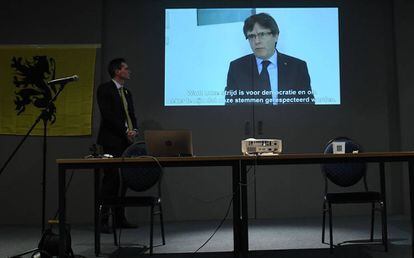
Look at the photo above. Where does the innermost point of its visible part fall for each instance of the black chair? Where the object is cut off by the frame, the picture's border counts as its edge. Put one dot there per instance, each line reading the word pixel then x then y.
pixel 347 174
pixel 138 179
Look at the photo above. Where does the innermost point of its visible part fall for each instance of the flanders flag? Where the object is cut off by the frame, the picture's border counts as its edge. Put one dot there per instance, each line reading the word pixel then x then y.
pixel 25 71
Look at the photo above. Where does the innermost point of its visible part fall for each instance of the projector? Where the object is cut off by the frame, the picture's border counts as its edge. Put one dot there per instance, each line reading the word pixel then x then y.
pixel 253 146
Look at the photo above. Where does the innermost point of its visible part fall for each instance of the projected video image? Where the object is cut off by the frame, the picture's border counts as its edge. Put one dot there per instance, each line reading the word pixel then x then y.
pixel 277 56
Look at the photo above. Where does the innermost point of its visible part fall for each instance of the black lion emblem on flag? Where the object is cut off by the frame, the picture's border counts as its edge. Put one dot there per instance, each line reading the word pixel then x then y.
pixel 31 76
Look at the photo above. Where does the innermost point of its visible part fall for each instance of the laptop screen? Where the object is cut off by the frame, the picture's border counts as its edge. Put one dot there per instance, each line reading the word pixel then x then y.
pixel 169 143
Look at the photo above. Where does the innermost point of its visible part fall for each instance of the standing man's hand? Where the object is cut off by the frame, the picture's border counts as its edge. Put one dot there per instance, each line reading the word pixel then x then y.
pixel 131 135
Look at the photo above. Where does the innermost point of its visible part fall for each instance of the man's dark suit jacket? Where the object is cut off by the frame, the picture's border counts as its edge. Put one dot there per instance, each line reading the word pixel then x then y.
pixel 292 75
pixel 112 130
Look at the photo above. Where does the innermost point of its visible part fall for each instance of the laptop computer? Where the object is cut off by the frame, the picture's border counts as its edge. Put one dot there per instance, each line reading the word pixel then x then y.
pixel 169 143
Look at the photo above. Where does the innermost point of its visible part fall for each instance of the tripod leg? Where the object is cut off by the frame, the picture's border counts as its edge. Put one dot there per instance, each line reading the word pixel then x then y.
pixel 44 174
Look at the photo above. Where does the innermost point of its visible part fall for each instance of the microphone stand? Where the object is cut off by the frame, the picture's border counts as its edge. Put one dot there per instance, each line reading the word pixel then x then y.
pixel 45 116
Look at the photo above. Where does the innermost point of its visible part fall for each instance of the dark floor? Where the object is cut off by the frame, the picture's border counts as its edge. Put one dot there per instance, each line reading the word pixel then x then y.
pixel 267 238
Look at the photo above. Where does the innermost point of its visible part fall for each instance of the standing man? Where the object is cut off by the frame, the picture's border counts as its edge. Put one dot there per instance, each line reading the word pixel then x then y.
pixel 117 131
pixel 267 76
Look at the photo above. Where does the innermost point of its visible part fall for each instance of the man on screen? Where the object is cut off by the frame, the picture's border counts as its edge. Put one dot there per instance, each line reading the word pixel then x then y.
pixel 267 76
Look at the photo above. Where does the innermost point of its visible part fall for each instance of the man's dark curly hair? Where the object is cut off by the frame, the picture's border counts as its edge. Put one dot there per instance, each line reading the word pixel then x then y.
pixel 264 20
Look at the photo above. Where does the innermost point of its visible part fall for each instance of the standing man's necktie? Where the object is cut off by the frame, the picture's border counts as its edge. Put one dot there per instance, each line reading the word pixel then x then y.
pixel 264 76
pixel 125 104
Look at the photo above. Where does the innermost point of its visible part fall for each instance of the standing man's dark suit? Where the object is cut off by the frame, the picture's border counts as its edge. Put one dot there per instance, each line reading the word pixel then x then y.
pixel 292 75
pixel 112 130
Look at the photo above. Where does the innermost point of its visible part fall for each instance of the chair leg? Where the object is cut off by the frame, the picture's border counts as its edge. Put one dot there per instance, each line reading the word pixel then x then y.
pixel 98 232
pixel 330 228
pixel 152 230
pixel 323 221
pixel 162 224
pixel 384 227
pixel 372 221
pixel 114 227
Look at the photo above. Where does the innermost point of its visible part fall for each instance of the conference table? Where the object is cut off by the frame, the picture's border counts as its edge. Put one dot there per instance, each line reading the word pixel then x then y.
pixel 239 167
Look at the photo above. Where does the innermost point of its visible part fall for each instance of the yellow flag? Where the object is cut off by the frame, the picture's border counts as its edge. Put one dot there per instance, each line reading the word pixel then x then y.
pixel 25 71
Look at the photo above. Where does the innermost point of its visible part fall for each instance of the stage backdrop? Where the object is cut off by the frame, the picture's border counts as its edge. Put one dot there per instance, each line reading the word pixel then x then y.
pixel 25 93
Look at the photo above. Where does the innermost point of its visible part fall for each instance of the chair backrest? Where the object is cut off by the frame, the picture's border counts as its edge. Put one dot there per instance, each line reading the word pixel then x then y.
pixel 345 173
pixel 140 178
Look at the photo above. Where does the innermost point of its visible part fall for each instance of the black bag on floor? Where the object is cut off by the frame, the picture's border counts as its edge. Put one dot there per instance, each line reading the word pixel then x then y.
pixel 49 244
